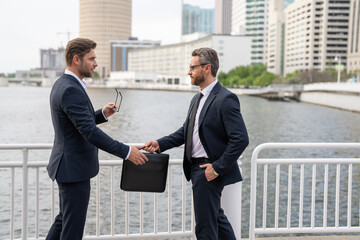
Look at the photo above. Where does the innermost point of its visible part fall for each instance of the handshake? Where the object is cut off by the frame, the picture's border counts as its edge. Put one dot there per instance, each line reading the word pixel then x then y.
pixel 137 157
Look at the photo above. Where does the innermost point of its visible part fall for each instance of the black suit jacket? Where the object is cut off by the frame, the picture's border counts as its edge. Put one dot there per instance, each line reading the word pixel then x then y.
pixel 74 157
pixel 222 132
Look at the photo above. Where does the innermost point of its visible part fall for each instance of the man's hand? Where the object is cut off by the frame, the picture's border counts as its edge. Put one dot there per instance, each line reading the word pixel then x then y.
pixel 209 172
pixel 137 157
pixel 109 109
pixel 151 146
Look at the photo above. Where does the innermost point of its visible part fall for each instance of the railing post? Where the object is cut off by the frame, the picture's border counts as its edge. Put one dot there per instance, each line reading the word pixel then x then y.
pixel 12 203
pixel 24 231
pixel 253 192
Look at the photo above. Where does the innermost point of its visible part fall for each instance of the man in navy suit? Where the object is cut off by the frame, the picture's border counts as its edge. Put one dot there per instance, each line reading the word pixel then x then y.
pixel 215 135
pixel 74 157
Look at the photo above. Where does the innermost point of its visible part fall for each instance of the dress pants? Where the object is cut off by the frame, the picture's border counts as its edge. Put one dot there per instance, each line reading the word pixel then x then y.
pixel 69 223
pixel 211 222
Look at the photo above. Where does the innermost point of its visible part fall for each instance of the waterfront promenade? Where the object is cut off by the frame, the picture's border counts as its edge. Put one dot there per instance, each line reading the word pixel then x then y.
pixel 344 96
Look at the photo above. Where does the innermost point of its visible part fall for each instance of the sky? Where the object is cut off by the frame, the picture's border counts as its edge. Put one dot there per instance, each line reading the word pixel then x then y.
pixel 26 26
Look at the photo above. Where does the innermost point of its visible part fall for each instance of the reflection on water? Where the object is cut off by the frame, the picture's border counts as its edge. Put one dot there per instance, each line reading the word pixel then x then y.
pixel 145 115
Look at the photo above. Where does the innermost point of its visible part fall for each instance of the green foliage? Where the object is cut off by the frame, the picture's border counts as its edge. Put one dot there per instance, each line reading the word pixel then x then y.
pixel 264 79
pixel 2 75
pixel 256 75
pixel 221 76
pixel 11 75
pixel 96 75
pixel 35 75
pixel 292 78
pixel 246 76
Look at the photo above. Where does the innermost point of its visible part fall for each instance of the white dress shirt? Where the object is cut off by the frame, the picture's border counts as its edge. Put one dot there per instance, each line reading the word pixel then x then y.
pixel 198 150
pixel 83 84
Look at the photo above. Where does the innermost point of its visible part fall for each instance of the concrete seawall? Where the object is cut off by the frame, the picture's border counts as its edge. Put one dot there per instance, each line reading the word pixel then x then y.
pixel 337 95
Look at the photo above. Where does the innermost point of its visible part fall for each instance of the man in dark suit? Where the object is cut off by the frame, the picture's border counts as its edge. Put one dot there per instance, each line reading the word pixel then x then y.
pixel 214 134
pixel 74 157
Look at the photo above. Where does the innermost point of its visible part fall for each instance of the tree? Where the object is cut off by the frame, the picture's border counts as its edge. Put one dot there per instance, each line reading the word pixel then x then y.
pixel 221 77
pixel 264 79
pixel 241 72
pixel 292 78
pixel 96 75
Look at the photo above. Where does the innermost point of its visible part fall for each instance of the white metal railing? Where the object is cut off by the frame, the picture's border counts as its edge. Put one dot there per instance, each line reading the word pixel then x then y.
pixel 285 179
pixel 25 164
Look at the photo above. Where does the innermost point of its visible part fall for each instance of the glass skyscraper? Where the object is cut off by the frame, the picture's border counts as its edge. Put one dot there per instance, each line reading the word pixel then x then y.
pixel 196 19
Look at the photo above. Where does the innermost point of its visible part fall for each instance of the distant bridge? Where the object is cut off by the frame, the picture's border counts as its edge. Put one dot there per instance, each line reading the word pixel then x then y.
pixel 44 82
pixel 273 92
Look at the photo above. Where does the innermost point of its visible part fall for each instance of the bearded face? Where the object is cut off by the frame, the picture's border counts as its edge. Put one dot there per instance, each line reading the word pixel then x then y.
pixel 85 71
pixel 197 79
pixel 88 65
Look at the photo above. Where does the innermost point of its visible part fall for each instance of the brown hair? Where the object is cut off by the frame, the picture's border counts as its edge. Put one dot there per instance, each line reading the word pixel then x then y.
pixel 79 47
pixel 208 56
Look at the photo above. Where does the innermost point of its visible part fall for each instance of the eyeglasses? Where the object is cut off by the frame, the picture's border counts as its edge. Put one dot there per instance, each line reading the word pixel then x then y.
pixel 191 68
pixel 118 93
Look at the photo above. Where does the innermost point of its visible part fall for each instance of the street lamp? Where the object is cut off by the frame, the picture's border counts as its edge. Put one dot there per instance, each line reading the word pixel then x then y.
pixel 338 67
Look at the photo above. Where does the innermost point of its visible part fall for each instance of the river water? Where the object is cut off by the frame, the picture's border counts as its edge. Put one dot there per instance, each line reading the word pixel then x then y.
pixel 146 115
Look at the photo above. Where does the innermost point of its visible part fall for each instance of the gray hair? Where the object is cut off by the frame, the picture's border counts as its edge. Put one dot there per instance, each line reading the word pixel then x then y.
pixel 208 56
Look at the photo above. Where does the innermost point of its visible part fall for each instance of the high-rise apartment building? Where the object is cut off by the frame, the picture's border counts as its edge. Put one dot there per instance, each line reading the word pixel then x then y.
pixel 222 17
pixel 250 17
pixel 287 2
pixel 238 17
pixel 276 36
pixel 316 32
pixel 353 57
pixel 196 19
pixel 102 21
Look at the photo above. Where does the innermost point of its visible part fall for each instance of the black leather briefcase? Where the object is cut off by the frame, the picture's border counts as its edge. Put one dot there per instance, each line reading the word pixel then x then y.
pixel 149 177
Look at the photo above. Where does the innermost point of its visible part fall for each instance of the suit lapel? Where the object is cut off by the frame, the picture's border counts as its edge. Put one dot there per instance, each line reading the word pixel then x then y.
pixel 208 102
pixel 82 88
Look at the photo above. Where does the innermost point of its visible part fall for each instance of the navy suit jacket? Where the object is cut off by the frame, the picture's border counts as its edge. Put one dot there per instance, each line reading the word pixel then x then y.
pixel 74 157
pixel 222 132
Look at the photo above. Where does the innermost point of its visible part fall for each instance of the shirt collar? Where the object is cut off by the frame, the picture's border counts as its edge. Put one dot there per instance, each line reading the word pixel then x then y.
pixel 206 91
pixel 82 82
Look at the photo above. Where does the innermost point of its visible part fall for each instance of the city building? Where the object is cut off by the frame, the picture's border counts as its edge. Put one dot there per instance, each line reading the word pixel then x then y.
pixel 276 35
pixel 196 19
pixel 287 2
pixel 52 58
pixel 52 65
pixel 103 21
pixel 250 17
pixel 170 63
pixel 222 17
pixel 238 17
pixel 353 57
pixel 316 34
pixel 120 50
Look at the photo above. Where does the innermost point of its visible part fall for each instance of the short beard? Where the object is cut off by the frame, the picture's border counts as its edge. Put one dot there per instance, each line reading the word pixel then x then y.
pixel 198 80
pixel 84 72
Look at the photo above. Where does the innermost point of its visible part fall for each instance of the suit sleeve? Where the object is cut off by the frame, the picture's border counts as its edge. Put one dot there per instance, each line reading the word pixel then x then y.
pixel 99 117
pixel 75 105
pixel 175 139
pixel 237 135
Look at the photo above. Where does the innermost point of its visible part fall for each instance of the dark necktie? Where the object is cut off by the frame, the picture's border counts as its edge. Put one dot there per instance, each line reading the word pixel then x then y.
pixel 188 144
